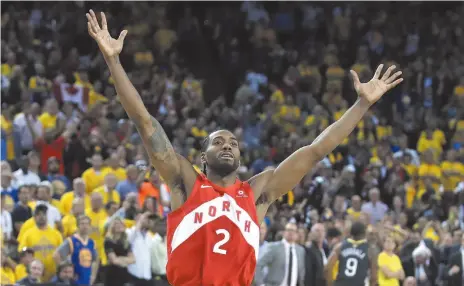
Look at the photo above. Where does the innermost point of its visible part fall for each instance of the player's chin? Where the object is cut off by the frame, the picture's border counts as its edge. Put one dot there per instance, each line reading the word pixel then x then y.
pixel 226 167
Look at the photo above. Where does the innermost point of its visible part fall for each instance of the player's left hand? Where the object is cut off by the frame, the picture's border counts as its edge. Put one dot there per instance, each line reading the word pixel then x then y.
pixel 376 87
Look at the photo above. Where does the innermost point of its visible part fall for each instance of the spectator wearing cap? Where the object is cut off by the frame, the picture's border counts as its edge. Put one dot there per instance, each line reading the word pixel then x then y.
pixel 22 211
pixel 108 191
pixel 131 183
pixel 78 192
pixel 26 256
pixel 53 214
pixel 421 265
pixel 65 275
pixel 44 238
pixel 94 176
pixel 53 172
pixel 35 272
pixel 28 172
pixel 375 208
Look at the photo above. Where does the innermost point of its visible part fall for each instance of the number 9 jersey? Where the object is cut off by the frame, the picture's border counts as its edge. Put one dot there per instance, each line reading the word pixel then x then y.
pixel 353 263
pixel 213 238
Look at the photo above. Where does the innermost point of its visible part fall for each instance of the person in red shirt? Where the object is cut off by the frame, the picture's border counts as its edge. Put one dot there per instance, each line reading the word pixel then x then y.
pixel 53 144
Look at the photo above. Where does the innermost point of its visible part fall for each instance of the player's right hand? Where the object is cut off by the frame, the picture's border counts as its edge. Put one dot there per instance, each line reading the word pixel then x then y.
pixel 109 46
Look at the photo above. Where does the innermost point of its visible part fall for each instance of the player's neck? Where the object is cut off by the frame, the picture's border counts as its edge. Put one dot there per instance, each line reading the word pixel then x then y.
pixel 222 181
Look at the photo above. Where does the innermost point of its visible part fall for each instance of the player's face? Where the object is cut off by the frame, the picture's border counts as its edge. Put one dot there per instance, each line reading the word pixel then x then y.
pixel 222 154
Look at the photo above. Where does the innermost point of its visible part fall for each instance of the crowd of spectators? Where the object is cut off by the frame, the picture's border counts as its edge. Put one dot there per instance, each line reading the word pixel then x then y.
pixel 276 74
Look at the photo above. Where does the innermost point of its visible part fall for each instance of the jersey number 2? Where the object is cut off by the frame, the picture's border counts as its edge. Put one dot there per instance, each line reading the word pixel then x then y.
pixel 217 247
pixel 351 267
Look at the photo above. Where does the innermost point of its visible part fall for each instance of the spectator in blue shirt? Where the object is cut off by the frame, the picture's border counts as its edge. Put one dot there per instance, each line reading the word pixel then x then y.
pixel 132 183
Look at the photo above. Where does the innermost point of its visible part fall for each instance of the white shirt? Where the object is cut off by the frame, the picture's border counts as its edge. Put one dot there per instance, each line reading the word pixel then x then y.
pixel 294 279
pixel 53 214
pixel 20 125
pixel 324 257
pixel 22 179
pixel 6 224
pixel 165 196
pixel 159 255
pixel 141 244
pixel 462 258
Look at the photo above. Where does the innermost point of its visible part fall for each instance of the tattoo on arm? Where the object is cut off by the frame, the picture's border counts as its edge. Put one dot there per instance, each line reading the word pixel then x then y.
pixel 160 149
pixel 159 141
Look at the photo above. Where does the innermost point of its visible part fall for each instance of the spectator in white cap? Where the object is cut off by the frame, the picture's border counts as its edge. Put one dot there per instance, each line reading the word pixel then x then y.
pixel 421 265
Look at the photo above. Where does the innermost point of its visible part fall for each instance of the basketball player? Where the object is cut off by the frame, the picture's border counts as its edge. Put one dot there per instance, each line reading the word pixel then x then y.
pixel 213 230
pixel 354 260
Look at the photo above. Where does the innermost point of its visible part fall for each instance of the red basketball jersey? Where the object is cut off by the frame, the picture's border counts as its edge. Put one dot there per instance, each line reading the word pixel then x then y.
pixel 213 239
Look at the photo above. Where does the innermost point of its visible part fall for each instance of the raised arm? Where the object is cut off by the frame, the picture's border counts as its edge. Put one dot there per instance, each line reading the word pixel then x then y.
pixel 287 175
pixel 155 141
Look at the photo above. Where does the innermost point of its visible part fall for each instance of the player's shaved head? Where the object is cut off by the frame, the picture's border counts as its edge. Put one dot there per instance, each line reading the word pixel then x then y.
pixel 358 230
pixel 220 153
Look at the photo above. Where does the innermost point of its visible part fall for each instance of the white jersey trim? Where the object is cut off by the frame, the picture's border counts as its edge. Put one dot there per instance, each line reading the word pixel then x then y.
pixel 210 211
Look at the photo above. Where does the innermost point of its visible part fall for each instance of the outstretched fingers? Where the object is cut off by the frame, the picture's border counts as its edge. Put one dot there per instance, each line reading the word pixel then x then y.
pixel 104 23
pixel 378 71
pixel 386 75
pixel 92 18
pixel 392 77
pixel 395 83
pixel 91 32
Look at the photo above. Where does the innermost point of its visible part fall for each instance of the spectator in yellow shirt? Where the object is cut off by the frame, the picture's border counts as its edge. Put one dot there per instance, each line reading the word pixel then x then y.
pixel 78 192
pixel 355 210
pixel 48 118
pixel 115 168
pixel 98 217
pixel 93 177
pixel 44 240
pixel 427 142
pixel 453 170
pixel 7 272
pixel 429 170
pixel 7 68
pixel 69 221
pixel 108 190
pixel 390 270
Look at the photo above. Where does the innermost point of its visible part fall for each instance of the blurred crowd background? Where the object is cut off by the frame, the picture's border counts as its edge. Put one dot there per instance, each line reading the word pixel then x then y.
pixel 274 73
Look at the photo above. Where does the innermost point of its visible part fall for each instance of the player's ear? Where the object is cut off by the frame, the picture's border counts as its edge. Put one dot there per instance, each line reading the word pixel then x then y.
pixel 203 158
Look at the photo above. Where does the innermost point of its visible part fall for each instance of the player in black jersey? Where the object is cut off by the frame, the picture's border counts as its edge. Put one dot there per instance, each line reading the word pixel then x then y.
pixel 354 260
